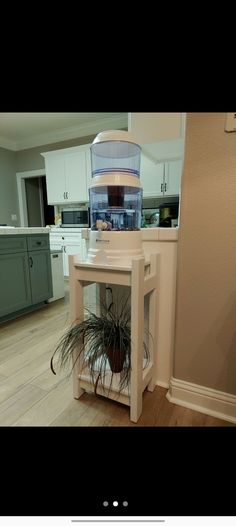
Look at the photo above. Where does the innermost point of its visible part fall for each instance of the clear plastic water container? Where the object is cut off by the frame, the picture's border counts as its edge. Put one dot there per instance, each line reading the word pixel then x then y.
pixel 115 208
pixel 112 152
pixel 115 193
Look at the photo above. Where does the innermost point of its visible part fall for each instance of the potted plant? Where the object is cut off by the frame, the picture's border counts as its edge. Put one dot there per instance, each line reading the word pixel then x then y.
pixel 104 341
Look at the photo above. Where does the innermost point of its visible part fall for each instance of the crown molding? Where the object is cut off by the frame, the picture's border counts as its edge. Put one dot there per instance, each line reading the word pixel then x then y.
pixel 71 132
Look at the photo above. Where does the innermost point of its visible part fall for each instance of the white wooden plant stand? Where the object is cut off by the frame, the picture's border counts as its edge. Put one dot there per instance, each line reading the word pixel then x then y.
pixel 142 277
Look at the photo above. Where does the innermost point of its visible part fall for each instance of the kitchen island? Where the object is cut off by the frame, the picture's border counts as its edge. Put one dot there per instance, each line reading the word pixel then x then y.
pixel 25 270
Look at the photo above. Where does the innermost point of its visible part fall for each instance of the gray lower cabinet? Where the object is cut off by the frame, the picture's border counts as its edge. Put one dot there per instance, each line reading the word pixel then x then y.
pixel 15 292
pixel 25 273
pixel 40 275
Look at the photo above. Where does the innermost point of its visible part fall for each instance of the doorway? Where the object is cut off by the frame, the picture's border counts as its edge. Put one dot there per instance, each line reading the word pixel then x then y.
pixel 33 204
pixel 38 211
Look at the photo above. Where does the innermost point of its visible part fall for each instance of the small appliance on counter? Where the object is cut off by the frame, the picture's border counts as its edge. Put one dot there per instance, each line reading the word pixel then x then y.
pixel 168 214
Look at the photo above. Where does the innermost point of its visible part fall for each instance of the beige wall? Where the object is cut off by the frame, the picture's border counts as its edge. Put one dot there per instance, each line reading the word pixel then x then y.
pixel 205 344
pixel 31 159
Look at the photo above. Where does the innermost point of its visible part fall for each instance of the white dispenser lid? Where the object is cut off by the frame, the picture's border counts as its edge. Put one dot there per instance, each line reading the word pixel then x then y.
pixel 114 135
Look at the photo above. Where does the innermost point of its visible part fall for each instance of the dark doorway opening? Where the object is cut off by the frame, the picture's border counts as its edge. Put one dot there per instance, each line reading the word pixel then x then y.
pixel 39 212
pixel 48 210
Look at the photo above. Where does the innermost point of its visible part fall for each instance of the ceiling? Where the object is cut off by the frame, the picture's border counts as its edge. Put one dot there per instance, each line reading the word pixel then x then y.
pixel 19 131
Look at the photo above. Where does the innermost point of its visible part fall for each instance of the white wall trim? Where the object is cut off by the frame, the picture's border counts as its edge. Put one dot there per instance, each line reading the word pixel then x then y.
pixel 20 180
pixel 65 134
pixel 203 399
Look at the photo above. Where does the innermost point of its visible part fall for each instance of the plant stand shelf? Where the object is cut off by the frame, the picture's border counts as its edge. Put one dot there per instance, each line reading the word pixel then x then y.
pixel 142 277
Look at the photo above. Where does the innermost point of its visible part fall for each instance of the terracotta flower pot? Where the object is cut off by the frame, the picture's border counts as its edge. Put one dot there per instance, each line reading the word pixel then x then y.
pixel 116 358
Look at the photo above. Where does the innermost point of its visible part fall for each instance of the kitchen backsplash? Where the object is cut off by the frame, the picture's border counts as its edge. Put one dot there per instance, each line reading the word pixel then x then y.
pixel 155 202
pixel 148 202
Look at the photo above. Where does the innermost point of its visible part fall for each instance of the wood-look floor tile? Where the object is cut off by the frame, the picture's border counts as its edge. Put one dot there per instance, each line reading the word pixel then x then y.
pixel 30 395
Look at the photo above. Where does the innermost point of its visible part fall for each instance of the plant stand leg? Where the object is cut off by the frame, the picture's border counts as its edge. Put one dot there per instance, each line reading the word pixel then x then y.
pixel 76 312
pixel 137 327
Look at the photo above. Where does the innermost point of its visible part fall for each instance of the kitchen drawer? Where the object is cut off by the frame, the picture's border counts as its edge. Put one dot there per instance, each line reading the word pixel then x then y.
pixel 36 242
pixel 55 239
pixel 58 247
pixel 72 239
pixel 11 244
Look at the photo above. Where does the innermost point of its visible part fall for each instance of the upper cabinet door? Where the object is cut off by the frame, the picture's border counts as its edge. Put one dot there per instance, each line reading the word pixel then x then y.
pixel 66 175
pixel 151 177
pixel 173 173
pixel 55 179
pixel 76 177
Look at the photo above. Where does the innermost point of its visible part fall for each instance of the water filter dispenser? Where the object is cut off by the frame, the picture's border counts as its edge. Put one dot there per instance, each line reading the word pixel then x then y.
pixel 115 196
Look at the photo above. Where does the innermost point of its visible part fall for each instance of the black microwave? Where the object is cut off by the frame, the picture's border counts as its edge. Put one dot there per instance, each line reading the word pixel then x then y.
pixel 75 217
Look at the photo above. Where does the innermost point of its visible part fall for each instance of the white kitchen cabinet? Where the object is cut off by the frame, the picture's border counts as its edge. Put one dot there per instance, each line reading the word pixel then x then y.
pixel 165 242
pixel 173 174
pixel 66 175
pixel 70 244
pixel 55 179
pixel 160 179
pixel 70 249
pixel 151 177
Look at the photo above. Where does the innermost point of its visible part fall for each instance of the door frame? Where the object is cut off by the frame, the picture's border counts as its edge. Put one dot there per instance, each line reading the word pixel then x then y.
pixel 20 179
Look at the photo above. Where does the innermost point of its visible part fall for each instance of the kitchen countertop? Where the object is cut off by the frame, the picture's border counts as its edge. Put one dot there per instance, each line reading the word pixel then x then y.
pixel 59 230
pixel 23 230
pixel 149 234
pixel 160 234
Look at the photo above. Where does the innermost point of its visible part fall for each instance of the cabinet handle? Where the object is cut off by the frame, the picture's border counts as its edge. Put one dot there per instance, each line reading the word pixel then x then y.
pixel 31 261
pixel 38 242
pixel 66 195
pixel 165 187
pixel 161 187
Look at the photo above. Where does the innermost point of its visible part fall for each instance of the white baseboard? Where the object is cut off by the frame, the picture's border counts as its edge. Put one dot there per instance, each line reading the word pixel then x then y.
pixel 203 399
